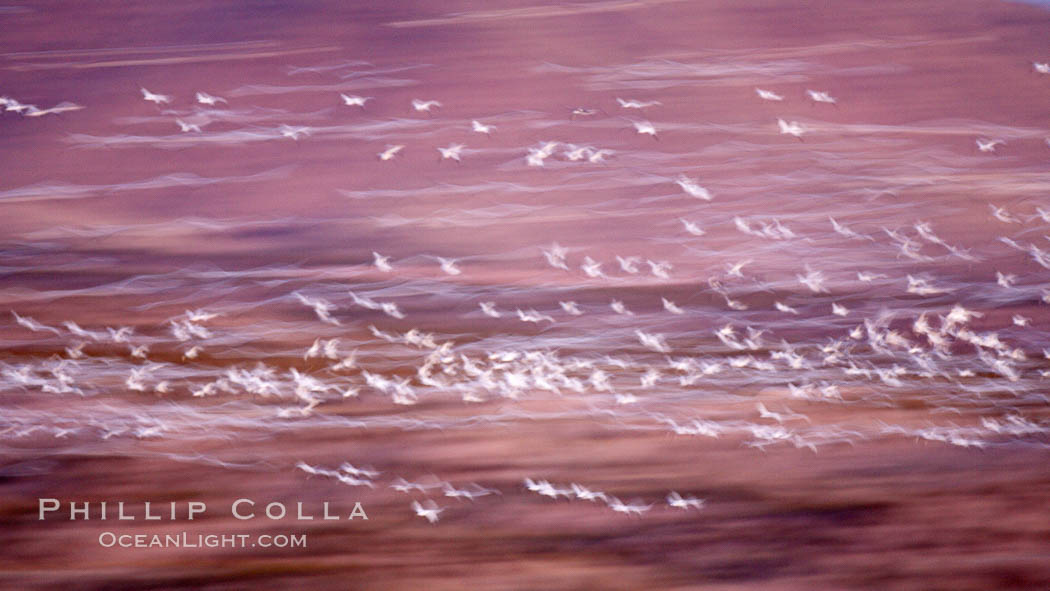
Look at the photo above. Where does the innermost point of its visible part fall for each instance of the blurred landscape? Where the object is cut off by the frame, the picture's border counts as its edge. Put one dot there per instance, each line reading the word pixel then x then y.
pixel 721 352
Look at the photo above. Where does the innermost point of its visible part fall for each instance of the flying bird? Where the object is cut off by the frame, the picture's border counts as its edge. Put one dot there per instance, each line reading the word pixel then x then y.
pixel 293 131
pixel 428 510
pixel 645 128
pixel 390 152
pixel 424 106
pixel 820 97
pixel 188 127
pixel 636 104
pixel 381 262
pixel 207 99
pixel 693 188
pixel 677 501
pixel 449 266
pixel 986 145
pixel 480 127
pixel 768 95
pixel 158 99
pixel 452 152
pixel 791 128
pixel 354 100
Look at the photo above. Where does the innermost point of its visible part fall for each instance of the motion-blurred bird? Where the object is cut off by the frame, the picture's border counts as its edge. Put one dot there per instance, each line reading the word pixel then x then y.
pixel 354 100
pixel 768 95
pixel 207 99
pixel 158 99
pixel 424 106
pixel 390 152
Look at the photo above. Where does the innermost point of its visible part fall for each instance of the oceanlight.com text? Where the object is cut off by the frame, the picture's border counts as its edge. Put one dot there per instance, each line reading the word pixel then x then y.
pixel 109 539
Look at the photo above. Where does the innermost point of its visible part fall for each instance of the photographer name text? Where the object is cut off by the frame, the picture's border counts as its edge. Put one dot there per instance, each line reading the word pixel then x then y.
pixel 242 509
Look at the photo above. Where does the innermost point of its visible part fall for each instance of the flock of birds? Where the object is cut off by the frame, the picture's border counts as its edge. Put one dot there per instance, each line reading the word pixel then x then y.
pixel 350 475
pixel 651 363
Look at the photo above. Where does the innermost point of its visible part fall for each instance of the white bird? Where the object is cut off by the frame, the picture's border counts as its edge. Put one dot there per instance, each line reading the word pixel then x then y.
pixel 677 501
pixel 570 308
pixel 471 493
pixel 359 472
pixel 348 362
pixel 791 128
pixel 692 228
pixel 188 127
pixel 319 348
pixel 449 266
pixel 576 153
pixel 1005 279
pixel 636 104
pixel 76 351
pixel 820 97
pixel 785 308
pixel 585 494
pixel 533 316
pixel 63 107
pixel 583 112
pixel 842 229
pixel 652 341
pixel 354 100
pixel 920 286
pixel 381 262
pixel 620 308
pixel 480 127
pixel 119 335
pixel 960 315
pixel 736 269
pixel 988 145
pixel 452 152
pixel 402 485
pixel 428 510
pixel 293 131
pixel 391 309
pixel 424 106
pixel 661 269
pixel 629 264
pixel 11 104
pixel 671 306
pixel 155 98
pixel 768 95
pixel 868 277
pixel 1002 215
pixel 200 315
pixel 839 310
pixel 1042 68
pixel 535 157
pixel 321 307
pixel 207 99
pixel 364 301
pixel 1021 320
pixel 390 152
pixel 591 267
pixel 765 413
pixel 814 280
pixel 489 309
pixel 620 507
pixel 556 256
pixel 645 128
pixel 599 155
pixel 32 324
pixel 693 188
